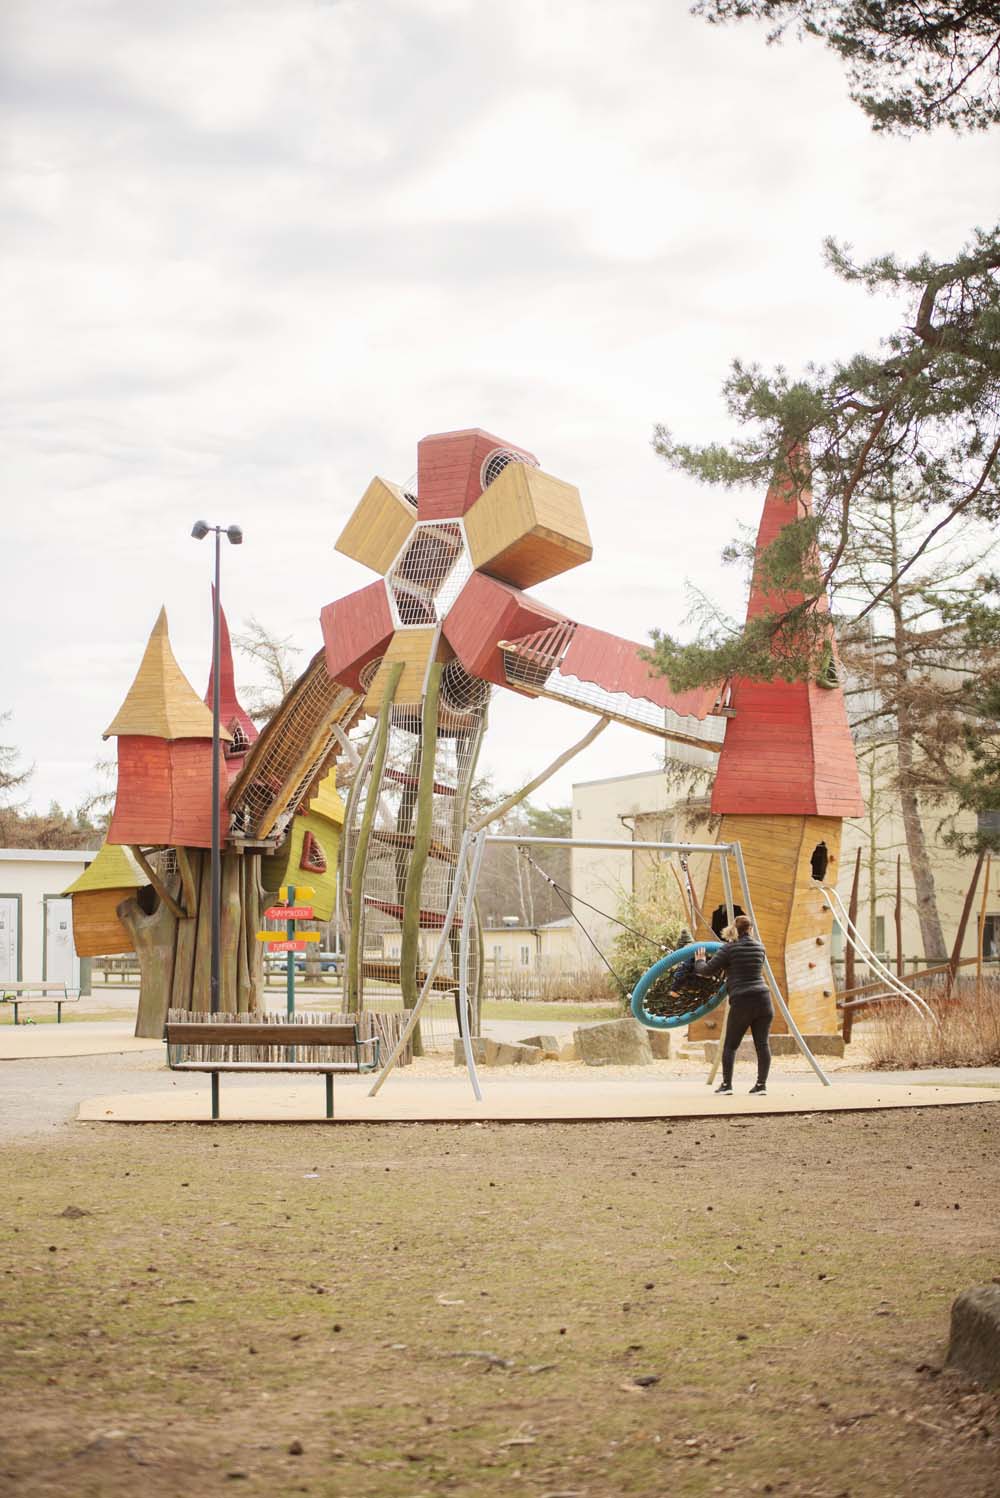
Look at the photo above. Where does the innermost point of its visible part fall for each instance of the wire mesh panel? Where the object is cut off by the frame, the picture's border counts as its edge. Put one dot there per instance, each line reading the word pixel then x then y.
pixel 533 662
pixel 292 749
pixel 390 847
pixel 430 573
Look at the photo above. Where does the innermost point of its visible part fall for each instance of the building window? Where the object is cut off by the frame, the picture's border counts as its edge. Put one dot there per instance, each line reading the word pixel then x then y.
pixel 525 956
pixel 880 935
pixel 497 953
pixel 991 936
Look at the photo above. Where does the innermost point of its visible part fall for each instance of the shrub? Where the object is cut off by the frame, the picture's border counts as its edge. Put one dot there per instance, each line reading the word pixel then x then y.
pixel 657 919
pixel 967 1032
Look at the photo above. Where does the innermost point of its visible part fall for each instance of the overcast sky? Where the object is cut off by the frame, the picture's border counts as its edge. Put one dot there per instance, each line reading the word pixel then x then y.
pixel 252 252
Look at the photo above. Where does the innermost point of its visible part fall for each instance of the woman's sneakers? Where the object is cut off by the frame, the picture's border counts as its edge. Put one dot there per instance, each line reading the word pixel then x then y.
pixel 726 1090
pixel 759 1089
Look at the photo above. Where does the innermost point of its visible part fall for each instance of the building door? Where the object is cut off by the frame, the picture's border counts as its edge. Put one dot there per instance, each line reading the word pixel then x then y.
pixel 10 938
pixel 61 963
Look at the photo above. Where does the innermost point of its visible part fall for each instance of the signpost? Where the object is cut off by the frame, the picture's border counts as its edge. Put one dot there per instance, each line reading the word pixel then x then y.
pixel 293 941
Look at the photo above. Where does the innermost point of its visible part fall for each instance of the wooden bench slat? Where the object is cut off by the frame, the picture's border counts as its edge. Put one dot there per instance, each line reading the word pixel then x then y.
pixel 188 1033
pixel 24 985
pixel 311 1066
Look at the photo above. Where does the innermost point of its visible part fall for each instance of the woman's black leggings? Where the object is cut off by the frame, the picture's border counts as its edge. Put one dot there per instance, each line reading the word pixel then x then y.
pixel 753 1012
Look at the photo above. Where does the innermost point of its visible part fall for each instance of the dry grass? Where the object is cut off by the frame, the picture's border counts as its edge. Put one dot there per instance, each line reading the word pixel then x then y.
pixel 967 1032
pixel 698 1307
pixel 516 985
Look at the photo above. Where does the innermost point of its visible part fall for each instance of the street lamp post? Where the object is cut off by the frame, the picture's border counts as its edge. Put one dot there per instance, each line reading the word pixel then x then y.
pixel 199 531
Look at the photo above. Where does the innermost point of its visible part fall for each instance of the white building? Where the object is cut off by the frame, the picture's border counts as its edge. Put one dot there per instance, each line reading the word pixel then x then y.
pixel 36 918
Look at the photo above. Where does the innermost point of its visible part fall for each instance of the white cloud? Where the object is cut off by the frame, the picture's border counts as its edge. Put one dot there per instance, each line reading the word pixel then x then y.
pixel 253 251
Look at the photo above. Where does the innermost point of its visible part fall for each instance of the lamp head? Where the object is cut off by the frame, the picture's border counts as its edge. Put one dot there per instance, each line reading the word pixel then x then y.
pixel 199 530
pixel 235 535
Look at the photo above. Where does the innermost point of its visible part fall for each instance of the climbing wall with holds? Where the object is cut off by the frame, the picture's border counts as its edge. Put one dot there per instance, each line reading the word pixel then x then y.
pixel 793 917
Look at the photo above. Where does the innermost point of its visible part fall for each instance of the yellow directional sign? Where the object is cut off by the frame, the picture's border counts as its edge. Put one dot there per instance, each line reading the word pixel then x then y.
pixel 302 892
pixel 299 935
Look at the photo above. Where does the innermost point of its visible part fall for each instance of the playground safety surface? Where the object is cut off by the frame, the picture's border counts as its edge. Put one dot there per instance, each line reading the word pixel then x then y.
pixel 544 1096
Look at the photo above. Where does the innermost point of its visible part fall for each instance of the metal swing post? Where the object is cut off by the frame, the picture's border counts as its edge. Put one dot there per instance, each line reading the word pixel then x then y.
pixel 727 895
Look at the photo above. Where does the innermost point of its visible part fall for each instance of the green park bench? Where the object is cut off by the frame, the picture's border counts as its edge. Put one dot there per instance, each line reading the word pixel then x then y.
pixel 30 992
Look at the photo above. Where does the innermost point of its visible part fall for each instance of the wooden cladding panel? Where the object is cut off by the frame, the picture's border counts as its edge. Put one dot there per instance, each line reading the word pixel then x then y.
pixel 788 904
pixel 378 527
pixel 356 630
pixel 527 526
pixel 449 466
pixel 413 648
pixel 97 931
pixel 164 793
pixel 485 612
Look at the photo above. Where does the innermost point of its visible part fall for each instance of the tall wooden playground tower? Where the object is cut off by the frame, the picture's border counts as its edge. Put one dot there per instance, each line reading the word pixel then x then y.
pixel 786 779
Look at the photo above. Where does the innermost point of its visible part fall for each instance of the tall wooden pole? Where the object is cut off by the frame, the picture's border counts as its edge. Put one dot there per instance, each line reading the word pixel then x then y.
pixel 852 912
pixel 982 929
pixel 899 915
pixel 956 951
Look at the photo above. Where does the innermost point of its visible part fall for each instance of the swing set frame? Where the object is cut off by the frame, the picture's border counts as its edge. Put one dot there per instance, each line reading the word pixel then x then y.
pixel 468 864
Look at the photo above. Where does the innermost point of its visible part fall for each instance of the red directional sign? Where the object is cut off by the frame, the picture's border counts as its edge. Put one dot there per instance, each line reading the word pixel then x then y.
pixel 287 946
pixel 290 913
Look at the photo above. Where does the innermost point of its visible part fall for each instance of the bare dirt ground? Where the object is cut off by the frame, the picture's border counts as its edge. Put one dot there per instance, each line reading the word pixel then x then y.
pixel 698 1307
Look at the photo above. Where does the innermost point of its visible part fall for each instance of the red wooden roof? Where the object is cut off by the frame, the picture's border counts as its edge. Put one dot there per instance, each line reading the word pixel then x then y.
pixel 788 750
pixel 449 465
pixel 230 709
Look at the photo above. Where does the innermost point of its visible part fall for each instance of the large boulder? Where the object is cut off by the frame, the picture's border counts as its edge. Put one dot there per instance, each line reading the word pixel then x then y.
pixel 975 1334
pixel 620 1042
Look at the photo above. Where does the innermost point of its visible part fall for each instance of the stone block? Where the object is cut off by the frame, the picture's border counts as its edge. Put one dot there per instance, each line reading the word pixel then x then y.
pixel 547 1044
pixel 974 1346
pixel 620 1042
pixel 487 1052
pixel 783 1045
pixel 569 1052
pixel 661 1043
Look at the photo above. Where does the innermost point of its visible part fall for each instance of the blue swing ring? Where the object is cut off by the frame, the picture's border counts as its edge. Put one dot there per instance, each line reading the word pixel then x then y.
pixel 649 977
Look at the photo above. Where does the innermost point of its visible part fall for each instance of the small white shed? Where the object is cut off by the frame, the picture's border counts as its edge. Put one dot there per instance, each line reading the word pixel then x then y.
pixel 36 918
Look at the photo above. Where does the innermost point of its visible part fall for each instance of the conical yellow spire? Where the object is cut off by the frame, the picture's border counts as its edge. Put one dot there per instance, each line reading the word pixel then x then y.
pixel 161 702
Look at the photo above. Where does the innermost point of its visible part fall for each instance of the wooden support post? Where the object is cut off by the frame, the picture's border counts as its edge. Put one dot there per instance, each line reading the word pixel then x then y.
pixel 899 915
pixel 157 882
pixel 409 952
pixel 852 912
pixel 511 801
pixel 956 951
pixel 982 929
pixel 353 971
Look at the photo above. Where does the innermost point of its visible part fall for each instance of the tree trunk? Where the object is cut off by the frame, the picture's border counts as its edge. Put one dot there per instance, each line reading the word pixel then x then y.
pixel 916 844
pixel 175 954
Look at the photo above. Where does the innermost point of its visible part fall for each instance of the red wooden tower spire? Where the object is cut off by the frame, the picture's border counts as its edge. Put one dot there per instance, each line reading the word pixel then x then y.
pixel 788 750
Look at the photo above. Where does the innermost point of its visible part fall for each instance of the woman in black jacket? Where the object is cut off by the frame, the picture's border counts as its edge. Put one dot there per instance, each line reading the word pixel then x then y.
pixel 750 1006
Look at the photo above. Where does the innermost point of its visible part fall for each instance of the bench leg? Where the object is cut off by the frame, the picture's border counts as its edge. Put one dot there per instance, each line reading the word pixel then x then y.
pixel 215 1094
pixel 16 1007
pixel 58 1012
pixel 329 1094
